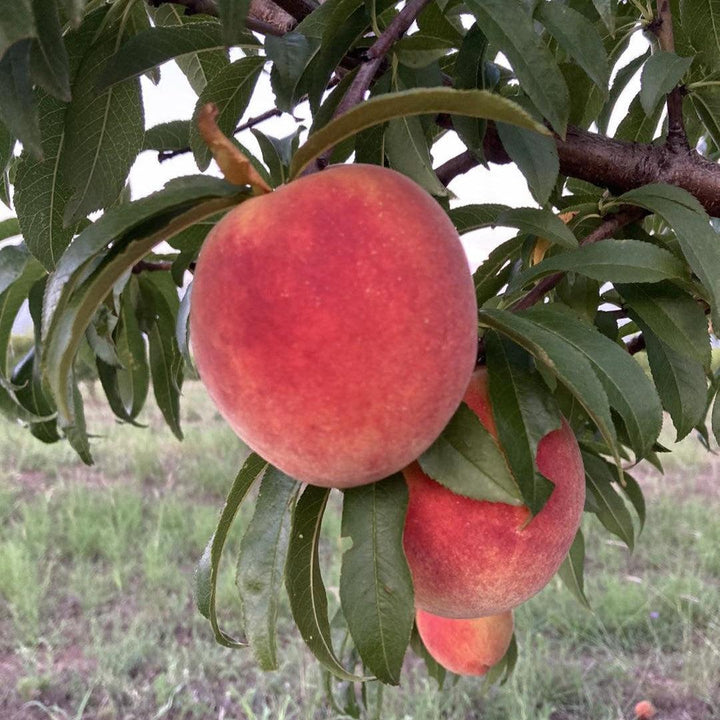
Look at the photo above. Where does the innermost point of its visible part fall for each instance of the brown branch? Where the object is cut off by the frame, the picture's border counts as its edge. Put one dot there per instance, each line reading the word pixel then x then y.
pixel 663 28
pixel 374 57
pixel 263 25
pixel 298 9
pixel 609 226
pixel 615 164
pixel 151 266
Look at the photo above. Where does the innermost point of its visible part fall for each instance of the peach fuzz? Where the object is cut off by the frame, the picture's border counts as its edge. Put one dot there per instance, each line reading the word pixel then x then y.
pixel 333 322
pixel 466 646
pixel 470 558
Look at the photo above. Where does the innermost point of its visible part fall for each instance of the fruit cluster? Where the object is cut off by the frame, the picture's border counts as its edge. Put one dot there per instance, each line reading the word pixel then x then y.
pixel 334 324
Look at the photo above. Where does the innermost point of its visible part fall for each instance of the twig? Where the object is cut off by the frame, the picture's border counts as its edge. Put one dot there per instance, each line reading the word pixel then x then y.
pixel 209 7
pixel 606 229
pixel 151 266
pixel 373 60
pixel 663 28
pixel 164 155
pixel 299 9
pixel 636 345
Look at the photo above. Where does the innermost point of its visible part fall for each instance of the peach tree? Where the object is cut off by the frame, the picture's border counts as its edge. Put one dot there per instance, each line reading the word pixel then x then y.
pixel 620 254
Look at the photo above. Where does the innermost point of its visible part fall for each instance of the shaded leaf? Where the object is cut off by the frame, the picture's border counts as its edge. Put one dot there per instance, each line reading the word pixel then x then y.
pixel 49 62
pixel 508 25
pixel 206 571
pixel 661 73
pixel 173 135
pixel 304 583
pixel 230 89
pixel 524 412
pixel 571 570
pixel 261 563
pixel 579 38
pixel 376 589
pixel 467 460
pixel 535 156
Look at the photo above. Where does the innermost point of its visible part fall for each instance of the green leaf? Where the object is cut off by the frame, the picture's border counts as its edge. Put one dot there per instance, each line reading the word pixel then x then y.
pixel 609 506
pixel 508 25
pixel 230 89
pixel 535 156
pixel 99 125
pixel 490 277
pixel 182 326
pixel 706 101
pixel 543 223
pixel 610 261
pixel 290 54
pixel 134 228
pixel 419 50
pixel 376 588
pixel 634 493
pixel 524 412
pixel 680 381
pixel 579 38
pixel 672 315
pixel 206 571
pixel 716 418
pixel 17 109
pixel 571 570
pixel 467 460
pixel 637 126
pixel 133 377
pixel 198 67
pixel 700 22
pixel 233 14
pixel 660 74
pixel 49 63
pixel 563 360
pixel 151 48
pixel 16 23
pixel 606 11
pixel 469 73
pixel 17 276
pixel 699 242
pixel 622 78
pixel 304 583
pixel 473 217
pixel 166 361
pixel 418 101
pixel 173 135
pixel 407 150
pixel 261 563
pixel 76 433
pixel 628 389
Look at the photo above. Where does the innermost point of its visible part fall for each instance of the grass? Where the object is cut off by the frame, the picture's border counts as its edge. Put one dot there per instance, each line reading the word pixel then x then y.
pixel 97 620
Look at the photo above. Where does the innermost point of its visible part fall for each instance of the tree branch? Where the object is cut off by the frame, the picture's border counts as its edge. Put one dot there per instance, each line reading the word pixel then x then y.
pixel 676 137
pixel 615 164
pixel 610 225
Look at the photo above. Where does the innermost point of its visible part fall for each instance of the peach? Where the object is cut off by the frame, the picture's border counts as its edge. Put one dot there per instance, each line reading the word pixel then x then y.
pixel 333 322
pixel 470 558
pixel 466 646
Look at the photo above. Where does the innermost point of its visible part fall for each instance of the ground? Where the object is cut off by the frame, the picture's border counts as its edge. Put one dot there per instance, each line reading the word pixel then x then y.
pixel 97 620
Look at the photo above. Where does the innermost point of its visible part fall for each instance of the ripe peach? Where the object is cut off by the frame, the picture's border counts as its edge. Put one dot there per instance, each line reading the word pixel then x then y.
pixel 466 647
pixel 333 323
pixel 644 710
pixel 470 558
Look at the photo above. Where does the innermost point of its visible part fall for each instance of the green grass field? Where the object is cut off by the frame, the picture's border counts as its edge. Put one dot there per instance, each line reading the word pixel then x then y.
pixel 97 619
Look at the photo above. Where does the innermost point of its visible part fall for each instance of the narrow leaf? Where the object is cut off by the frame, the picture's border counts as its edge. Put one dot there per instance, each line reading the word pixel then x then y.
pixel 418 101
pixel 571 570
pixel 305 587
pixel 261 563
pixel 49 62
pixel 543 223
pixel 524 412
pixel 376 588
pixel 609 506
pixel 579 38
pixel 206 571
